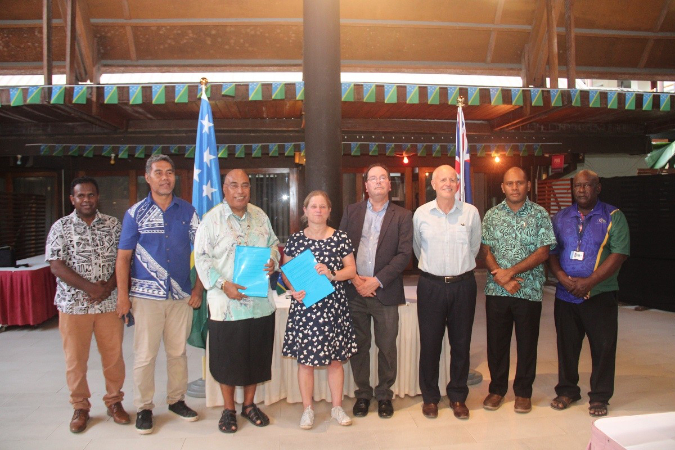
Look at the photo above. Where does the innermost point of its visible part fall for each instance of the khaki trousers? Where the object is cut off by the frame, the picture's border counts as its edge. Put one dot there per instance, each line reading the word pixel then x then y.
pixel 76 331
pixel 160 320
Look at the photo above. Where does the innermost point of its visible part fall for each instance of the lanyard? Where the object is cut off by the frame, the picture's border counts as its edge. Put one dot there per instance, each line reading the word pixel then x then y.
pixel 580 230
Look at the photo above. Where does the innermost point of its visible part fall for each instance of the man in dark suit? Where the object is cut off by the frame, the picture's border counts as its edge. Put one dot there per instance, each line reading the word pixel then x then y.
pixel 381 233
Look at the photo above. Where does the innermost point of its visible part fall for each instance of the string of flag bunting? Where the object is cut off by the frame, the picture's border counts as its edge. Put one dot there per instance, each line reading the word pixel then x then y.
pixel 159 94
pixel 290 149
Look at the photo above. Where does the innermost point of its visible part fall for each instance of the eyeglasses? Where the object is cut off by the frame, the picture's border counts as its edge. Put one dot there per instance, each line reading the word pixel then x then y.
pixel 381 178
pixel 235 186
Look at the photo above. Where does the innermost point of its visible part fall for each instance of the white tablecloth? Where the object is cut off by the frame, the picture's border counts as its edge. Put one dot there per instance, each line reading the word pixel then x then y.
pixel 648 431
pixel 284 382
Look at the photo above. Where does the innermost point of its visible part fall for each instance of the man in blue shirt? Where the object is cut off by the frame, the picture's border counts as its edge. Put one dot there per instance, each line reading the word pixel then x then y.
pixel 593 242
pixel 157 234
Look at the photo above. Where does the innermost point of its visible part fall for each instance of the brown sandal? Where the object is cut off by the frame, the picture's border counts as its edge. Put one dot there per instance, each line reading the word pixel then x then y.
pixel 597 409
pixel 562 402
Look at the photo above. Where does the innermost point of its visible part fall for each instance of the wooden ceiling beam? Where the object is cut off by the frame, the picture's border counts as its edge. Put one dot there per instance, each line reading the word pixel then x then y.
pixel 493 33
pixel 552 40
pixel 129 31
pixel 83 43
pixel 657 26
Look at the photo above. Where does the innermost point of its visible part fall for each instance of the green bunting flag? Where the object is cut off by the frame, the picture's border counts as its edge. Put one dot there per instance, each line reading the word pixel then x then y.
pixel 58 95
pixel 347 92
pixel 190 151
pixel 556 97
pixel 493 150
pixel 302 148
pixel 199 91
pixel 135 95
pixel 538 150
pixel 139 152
pixel 372 149
pixel 433 95
pixel 356 149
pixel 257 151
pixel 517 97
pixel 80 95
pixel 412 94
pixel 58 150
pixel 278 91
pixel 421 149
pixel 158 94
pixel 576 97
pixel 436 150
pixel 594 99
pixel 453 95
pixel 181 95
pixel 300 90
pixel 255 91
pixel 390 93
pixel 110 95
pixel 173 149
pixel 612 100
pixel 509 150
pixel 536 97
pixel 481 150
pixel 222 151
pixel 452 150
pixel 474 96
pixel 16 96
pixel 496 96
pixel 630 100
pixel 273 149
pixel 289 150
pixel 88 151
pixel 123 152
pixel 34 95
pixel 664 102
pixel 647 101
pixel 156 150
pixel 74 150
pixel 369 92
pixel 107 151
pixel 523 149
pixel 44 150
pixel 390 150
pixel 239 151
pixel 228 90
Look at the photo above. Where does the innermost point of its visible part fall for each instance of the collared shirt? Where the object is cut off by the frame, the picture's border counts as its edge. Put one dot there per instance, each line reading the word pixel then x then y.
pixel 217 237
pixel 372 225
pixel 512 237
pixel 602 232
pixel 446 244
pixel 90 250
pixel 161 241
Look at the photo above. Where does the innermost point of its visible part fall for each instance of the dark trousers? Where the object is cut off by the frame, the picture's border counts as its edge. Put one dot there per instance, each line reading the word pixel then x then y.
pixel 502 313
pixel 596 318
pixel 385 325
pixel 441 306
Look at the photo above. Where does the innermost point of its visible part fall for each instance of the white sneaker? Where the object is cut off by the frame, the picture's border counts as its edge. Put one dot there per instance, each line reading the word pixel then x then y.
pixel 340 416
pixel 307 419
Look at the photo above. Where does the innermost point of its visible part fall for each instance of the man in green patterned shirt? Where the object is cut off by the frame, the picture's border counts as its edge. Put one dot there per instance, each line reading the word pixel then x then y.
pixel 517 235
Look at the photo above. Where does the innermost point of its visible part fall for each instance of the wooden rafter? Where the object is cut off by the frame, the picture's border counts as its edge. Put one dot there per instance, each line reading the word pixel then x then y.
pixel 659 22
pixel 84 48
pixel 493 33
pixel 130 33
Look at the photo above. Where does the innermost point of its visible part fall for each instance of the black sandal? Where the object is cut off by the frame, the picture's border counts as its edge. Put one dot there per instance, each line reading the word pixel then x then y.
pixel 228 421
pixel 597 409
pixel 563 402
pixel 255 415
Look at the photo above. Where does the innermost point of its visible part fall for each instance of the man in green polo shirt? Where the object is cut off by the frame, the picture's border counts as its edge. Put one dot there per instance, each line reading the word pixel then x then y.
pixel 517 235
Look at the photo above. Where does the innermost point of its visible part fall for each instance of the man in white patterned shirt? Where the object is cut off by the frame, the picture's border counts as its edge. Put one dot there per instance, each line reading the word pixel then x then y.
pixel 81 250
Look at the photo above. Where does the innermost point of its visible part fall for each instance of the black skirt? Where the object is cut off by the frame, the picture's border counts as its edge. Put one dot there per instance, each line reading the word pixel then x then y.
pixel 240 351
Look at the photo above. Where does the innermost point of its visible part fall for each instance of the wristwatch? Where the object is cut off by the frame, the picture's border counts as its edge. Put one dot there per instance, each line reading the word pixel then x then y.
pixel 332 274
pixel 220 284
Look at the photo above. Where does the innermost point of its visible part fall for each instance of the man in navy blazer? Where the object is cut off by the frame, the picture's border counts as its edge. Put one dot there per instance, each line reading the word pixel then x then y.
pixel 382 234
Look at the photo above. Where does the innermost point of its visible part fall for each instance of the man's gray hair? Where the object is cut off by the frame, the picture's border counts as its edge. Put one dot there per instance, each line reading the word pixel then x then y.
pixel 155 158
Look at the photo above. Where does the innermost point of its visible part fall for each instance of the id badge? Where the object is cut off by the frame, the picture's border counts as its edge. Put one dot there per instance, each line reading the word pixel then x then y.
pixel 579 256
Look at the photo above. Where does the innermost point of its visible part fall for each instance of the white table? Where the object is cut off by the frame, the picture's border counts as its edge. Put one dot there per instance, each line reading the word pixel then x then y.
pixel 284 382
pixel 644 432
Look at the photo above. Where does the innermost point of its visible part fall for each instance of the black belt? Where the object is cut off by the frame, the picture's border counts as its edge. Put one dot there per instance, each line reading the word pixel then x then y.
pixel 447 280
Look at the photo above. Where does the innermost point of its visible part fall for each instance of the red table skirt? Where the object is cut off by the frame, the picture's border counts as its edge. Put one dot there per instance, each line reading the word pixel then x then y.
pixel 27 296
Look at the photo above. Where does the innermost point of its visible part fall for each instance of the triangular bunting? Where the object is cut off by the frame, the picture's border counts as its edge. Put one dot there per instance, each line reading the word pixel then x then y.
pixel 576 97
pixel 433 95
pixel 368 92
pixel 496 96
pixel 110 95
pixel 255 91
pixel 556 97
pixel 257 151
pixel 594 98
pixel 58 95
pixel 664 102
pixel 74 150
pixel 390 93
pixel 16 96
pixel 190 151
pixel 135 95
pixel 222 151
pixel 372 149
pixel 239 151
pixel 289 150
pixel 453 95
pixel 228 90
pixel 612 100
pixel 44 150
pixel 412 94
pixel 390 150
pixel 523 149
pixel 139 152
pixel 107 151
pixel 156 150
pixel 452 150
pixel 647 101
pixel 158 94
pixel 421 149
pixel 536 97
pixel 300 90
pixel 34 95
pixel 509 150
pixel 347 92
pixel 123 152
pixel 273 149
pixel 538 150
pixel 278 91
pixel 517 97
pixel 436 150
pixel 174 149
pixel 80 95
pixel 356 149
pixel 58 150
pixel 181 93
pixel 630 100
pixel 474 96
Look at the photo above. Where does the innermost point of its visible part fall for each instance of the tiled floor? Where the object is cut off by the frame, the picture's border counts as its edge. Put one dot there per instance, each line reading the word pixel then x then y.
pixel 34 408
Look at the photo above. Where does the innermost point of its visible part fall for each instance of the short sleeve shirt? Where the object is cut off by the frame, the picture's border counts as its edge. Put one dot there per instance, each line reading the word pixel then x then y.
pixel 90 250
pixel 512 237
pixel 162 244
pixel 602 232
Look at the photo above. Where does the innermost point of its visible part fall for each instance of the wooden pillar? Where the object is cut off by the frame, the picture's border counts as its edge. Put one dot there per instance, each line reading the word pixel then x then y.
pixel 570 60
pixel 71 42
pixel 323 101
pixel 47 64
pixel 552 44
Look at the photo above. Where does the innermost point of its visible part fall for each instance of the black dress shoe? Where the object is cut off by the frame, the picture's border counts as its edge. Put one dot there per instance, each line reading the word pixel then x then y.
pixel 385 409
pixel 361 407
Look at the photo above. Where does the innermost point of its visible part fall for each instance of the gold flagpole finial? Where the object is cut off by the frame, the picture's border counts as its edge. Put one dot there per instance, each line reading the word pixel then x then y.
pixel 203 81
pixel 460 101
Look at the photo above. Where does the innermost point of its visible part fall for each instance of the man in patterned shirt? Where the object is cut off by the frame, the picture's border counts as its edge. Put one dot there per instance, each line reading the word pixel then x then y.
pixel 81 250
pixel 157 234
pixel 517 235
